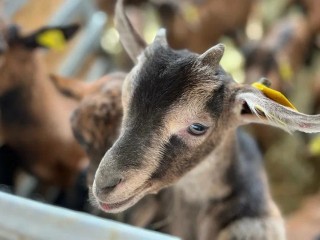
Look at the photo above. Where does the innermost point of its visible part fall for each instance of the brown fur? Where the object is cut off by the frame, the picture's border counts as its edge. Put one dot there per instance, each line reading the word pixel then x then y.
pixel 194 24
pixel 312 8
pixel 212 21
pixel 35 114
pixel 37 126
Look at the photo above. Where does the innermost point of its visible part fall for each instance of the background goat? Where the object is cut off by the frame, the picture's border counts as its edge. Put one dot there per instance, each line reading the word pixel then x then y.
pixel 96 120
pixel 34 114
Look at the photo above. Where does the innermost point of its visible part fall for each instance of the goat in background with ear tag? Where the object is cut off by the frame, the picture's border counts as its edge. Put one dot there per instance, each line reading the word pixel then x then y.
pixel 34 114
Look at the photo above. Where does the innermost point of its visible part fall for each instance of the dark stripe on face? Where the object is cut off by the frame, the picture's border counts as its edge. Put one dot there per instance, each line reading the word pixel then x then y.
pixel 216 101
pixel 130 148
pixel 161 81
pixel 173 151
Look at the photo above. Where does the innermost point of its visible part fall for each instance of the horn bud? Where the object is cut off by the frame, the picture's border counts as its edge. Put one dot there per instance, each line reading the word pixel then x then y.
pixel 213 55
pixel 161 37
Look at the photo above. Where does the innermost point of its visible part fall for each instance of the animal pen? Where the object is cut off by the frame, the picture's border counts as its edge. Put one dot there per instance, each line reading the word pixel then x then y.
pixel 25 219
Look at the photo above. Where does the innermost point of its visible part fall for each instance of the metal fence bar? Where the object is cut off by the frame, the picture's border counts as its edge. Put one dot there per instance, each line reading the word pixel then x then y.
pixel 87 44
pixel 99 68
pixel 26 219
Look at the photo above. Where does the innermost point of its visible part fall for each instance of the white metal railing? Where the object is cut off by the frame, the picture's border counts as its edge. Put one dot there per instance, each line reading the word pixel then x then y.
pixel 29 220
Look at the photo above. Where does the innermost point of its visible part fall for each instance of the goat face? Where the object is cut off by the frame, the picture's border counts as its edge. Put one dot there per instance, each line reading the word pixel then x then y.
pixel 174 102
pixel 178 106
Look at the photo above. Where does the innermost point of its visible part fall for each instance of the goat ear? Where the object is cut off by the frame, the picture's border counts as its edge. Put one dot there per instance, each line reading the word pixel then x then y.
pixel 256 107
pixel 69 87
pixel 50 37
pixel 213 55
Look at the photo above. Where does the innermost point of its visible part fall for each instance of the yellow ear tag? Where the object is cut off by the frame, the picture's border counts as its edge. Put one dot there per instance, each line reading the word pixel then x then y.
pixel 53 39
pixel 273 95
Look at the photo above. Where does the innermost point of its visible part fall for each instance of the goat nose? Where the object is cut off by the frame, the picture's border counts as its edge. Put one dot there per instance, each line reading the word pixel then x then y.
pixel 107 184
pixel 112 182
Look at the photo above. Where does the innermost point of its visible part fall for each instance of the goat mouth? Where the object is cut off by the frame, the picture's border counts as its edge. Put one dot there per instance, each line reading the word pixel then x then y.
pixel 118 206
pixel 122 205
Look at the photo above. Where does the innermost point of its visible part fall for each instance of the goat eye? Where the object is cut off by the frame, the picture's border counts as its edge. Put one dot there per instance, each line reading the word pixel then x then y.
pixel 197 129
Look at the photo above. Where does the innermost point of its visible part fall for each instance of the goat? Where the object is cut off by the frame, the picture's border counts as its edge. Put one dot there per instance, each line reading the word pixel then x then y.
pixel 190 22
pixel 281 53
pixel 34 114
pixel 181 112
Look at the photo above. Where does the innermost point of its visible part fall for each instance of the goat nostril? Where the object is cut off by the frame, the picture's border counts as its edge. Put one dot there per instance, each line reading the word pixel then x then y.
pixel 104 185
pixel 111 183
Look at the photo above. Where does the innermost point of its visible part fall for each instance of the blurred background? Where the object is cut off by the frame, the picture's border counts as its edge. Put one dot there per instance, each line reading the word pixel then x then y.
pixel 277 39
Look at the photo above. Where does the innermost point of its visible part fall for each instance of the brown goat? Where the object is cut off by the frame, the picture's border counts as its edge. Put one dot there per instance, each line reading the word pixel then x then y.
pixel 281 53
pixel 181 111
pixel 197 25
pixel 34 114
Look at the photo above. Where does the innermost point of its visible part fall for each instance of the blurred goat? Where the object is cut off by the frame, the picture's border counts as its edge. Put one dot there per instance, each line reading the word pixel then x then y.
pixel 181 112
pixel 96 120
pixel 312 10
pixel 34 114
pixel 197 25
pixel 280 54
